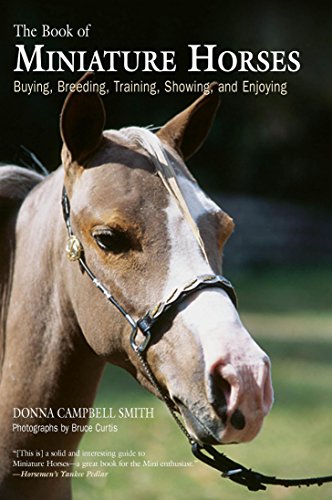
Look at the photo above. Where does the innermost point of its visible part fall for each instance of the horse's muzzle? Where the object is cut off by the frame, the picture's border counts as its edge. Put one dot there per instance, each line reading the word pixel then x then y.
pixel 241 396
pixel 233 411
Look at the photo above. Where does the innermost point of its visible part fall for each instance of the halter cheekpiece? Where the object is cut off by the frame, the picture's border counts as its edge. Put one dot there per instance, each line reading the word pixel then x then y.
pixel 75 252
pixel 234 471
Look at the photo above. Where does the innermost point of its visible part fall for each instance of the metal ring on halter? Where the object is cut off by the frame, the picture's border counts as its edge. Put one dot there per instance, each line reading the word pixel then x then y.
pixel 139 347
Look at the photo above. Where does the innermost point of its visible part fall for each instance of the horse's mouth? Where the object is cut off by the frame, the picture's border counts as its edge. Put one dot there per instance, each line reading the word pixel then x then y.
pixel 195 425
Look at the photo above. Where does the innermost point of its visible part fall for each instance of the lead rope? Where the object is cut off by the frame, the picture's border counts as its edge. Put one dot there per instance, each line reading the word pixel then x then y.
pixel 230 469
pixel 165 399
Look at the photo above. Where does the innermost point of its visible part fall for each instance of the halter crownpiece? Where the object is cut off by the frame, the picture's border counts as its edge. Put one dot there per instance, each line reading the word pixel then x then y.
pixel 234 471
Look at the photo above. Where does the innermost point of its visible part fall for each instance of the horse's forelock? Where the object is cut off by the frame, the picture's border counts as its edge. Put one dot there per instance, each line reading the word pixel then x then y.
pixel 164 165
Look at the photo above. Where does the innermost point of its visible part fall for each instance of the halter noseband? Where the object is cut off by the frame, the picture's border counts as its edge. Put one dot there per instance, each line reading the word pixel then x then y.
pixel 234 471
pixel 146 323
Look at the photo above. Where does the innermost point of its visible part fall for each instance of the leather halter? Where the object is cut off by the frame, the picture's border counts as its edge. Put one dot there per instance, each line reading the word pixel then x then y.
pixel 75 252
pixel 146 323
pixel 230 469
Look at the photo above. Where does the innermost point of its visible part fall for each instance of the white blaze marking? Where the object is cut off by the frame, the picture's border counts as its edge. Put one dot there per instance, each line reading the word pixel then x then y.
pixel 212 309
pixel 211 317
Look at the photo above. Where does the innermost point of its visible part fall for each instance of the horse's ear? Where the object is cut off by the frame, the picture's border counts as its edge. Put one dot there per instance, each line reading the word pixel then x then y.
pixel 82 121
pixel 187 131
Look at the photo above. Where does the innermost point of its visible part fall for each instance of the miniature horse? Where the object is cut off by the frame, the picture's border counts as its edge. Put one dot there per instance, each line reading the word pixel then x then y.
pixel 146 228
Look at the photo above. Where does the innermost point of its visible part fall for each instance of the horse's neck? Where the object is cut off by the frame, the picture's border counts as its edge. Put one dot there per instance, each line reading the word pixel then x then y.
pixel 47 362
pixel 8 211
pixel 15 184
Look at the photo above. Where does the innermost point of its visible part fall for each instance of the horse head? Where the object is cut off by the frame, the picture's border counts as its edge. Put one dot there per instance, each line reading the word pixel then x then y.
pixel 147 228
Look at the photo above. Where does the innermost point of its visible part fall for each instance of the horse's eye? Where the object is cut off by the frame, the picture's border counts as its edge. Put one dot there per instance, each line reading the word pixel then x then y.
pixel 112 240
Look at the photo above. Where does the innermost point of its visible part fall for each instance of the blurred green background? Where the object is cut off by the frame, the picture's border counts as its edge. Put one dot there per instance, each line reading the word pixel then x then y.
pixel 288 312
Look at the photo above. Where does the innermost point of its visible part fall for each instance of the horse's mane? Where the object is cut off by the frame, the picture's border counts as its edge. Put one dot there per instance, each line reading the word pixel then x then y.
pixel 163 164
pixel 15 183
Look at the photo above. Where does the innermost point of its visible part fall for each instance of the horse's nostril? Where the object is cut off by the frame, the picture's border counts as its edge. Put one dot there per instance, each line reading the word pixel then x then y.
pixel 237 420
pixel 225 387
pixel 220 391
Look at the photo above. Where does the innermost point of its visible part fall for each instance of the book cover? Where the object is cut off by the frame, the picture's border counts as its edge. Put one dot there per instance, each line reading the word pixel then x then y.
pixel 150 154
